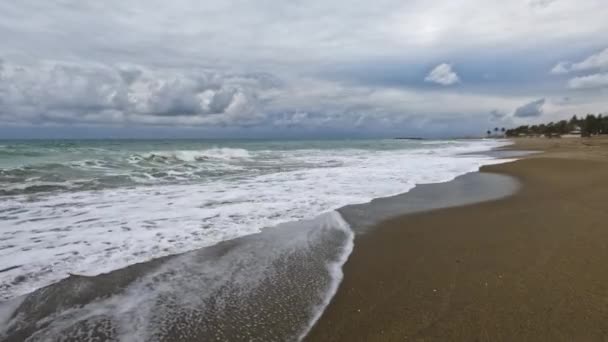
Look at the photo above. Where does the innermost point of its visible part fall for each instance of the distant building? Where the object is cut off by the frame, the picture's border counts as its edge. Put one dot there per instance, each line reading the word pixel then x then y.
pixel 574 133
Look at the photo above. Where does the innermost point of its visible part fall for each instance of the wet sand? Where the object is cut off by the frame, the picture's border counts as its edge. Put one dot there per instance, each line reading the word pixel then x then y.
pixel 529 267
pixel 268 286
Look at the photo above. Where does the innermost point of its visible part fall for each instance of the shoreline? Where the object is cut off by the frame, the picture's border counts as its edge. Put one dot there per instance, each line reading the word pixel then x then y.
pixel 209 193
pixel 106 286
pixel 508 269
pixel 466 189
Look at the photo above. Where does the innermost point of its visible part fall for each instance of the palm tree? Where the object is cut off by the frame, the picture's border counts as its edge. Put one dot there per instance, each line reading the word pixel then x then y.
pixel 489 132
pixel 495 129
pixel 503 129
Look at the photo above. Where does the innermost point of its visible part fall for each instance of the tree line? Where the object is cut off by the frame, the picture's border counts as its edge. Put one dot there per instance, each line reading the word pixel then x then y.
pixel 588 126
pixel 496 130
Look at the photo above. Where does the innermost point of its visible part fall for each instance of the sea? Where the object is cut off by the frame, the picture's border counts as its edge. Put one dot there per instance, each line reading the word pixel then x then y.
pixel 176 240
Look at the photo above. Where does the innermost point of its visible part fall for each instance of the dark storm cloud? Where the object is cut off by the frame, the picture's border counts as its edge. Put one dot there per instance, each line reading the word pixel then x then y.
pixel 532 109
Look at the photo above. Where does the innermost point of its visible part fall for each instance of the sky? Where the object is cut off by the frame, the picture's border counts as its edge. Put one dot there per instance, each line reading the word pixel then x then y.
pixel 287 69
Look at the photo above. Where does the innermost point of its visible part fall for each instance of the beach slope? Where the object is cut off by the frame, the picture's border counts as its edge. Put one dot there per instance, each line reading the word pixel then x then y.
pixel 529 267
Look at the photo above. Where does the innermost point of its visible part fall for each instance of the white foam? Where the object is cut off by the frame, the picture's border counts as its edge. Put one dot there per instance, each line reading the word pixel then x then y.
pixel 335 270
pixel 284 275
pixel 223 153
pixel 92 232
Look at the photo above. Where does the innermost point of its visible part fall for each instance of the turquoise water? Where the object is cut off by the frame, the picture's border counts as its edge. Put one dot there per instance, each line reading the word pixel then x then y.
pixel 61 165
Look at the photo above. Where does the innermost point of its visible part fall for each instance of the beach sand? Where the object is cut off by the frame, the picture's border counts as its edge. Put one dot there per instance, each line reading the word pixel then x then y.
pixel 529 267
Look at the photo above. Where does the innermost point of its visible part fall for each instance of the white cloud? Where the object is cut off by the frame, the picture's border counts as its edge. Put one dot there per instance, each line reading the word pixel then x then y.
pixel 67 93
pixel 597 61
pixel 594 81
pixel 63 93
pixel 283 32
pixel 442 74
pixel 561 68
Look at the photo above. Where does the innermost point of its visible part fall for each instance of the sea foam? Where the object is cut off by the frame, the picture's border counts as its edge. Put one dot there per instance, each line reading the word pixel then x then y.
pixel 270 286
pixel 47 236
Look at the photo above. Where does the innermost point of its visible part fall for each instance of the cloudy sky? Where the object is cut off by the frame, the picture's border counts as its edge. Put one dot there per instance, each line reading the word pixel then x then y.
pixel 314 68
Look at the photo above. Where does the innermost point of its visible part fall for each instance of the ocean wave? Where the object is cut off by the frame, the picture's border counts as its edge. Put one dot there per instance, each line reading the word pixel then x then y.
pixel 11 153
pixel 222 153
pixel 115 170
pixel 32 187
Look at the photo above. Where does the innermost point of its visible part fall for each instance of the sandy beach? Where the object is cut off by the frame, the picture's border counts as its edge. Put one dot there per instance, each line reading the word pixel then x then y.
pixel 529 267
